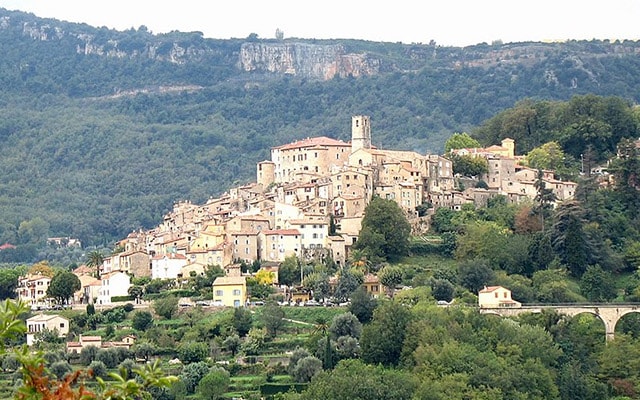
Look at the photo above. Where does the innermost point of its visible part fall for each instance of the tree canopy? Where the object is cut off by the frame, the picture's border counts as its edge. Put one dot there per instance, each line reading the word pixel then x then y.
pixel 385 230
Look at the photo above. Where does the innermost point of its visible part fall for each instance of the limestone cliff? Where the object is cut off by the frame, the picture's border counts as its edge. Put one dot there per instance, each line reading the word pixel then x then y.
pixel 308 60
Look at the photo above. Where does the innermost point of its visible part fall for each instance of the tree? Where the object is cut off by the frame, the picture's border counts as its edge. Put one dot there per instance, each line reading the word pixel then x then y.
pixel 474 274
pixel 95 259
pixel 306 368
pixel 382 339
pixel 98 369
pixel 272 317
pixel 318 283
pixel 442 289
pixel 348 281
pixel 568 238
pixel 460 141
pixel 42 268
pixel 193 352
pixel 544 198
pixel 192 374
pixel 297 355
pixel 144 350
pixel 355 380
pixel 141 320
pixel 549 156
pixel 232 343
pixel 214 384
pixel 60 369
pixel 9 282
pixel 166 307
pixel 597 285
pixel 242 321
pixel 362 305
pixel 390 277
pixel 289 271
pixel 384 219
pixel 135 291
pixel 63 285
pixel 468 165
pixel 345 324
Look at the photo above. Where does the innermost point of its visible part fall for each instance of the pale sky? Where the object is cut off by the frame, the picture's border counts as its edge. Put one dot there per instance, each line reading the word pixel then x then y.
pixel 448 22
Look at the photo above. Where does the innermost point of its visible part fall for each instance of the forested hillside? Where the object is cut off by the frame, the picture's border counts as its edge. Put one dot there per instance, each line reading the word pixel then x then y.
pixel 102 130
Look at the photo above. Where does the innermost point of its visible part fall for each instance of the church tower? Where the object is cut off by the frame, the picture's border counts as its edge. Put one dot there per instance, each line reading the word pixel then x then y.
pixel 360 133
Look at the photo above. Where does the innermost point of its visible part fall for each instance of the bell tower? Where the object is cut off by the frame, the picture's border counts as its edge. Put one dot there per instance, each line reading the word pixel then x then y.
pixel 360 133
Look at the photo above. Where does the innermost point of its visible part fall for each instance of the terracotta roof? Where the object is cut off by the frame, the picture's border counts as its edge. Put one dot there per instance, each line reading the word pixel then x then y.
pixel 489 289
pixel 171 256
pixel 312 142
pixel 229 280
pixel 243 233
pixel 285 232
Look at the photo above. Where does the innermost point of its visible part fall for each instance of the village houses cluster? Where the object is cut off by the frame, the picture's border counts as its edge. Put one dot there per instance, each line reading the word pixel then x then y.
pixel 305 187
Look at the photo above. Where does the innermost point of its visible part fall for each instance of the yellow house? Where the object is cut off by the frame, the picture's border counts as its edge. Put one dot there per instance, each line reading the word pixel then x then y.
pixel 372 285
pixel 230 291
pixel 496 297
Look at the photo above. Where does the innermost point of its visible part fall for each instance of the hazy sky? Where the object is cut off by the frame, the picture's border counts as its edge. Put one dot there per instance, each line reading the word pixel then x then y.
pixel 448 22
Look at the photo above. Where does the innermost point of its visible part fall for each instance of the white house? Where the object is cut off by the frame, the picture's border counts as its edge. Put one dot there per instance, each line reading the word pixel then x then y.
pixel 42 322
pixel 167 266
pixel 496 297
pixel 113 284
pixel 276 245
pixel 32 289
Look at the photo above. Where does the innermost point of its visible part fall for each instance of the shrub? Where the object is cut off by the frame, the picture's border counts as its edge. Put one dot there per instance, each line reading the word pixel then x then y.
pixel 98 369
pixel 60 369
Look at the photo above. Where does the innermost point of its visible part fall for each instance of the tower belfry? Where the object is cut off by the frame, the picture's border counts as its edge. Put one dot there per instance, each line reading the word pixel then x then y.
pixel 360 133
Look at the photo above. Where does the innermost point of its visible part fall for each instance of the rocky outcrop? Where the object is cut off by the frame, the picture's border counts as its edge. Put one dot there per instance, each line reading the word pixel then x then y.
pixel 307 60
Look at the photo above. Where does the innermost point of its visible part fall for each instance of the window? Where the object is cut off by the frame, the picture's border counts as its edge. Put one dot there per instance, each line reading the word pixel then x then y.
pixel 496 295
pixel 236 292
pixel 219 293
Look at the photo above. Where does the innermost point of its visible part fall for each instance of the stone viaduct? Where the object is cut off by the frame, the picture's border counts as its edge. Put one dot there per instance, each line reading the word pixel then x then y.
pixel 609 314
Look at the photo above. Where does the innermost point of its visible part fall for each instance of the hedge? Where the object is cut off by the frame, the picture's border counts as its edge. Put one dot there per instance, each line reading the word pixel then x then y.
pixel 270 389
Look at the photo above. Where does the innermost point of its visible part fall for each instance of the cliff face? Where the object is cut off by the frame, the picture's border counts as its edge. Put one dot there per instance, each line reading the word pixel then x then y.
pixel 308 60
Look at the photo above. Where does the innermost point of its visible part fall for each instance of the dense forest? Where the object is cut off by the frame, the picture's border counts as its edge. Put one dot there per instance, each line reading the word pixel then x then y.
pixel 101 136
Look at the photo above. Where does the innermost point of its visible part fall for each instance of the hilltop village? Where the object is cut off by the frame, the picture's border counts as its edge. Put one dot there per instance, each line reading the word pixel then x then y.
pixel 307 186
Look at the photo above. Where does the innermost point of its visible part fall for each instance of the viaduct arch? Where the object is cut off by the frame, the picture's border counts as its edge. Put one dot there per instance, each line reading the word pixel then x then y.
pixel 609 314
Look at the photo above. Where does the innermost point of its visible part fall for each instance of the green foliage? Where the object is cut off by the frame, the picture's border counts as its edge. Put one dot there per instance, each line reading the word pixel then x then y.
pixel 597 285
pixel 390 277
pixel 242 321
pixel 468 165
pixel 362 305
pixel 460 141
pixel 306 368
pixel 385 230
pixel 382 338
pixel 214 384
pixel 289 271
pixel 272 317
pixel 346 324
pixel 166 307
pixel 63 285
pixel 193 352
pixel 192 374
pixel 141 320
pixel 355 380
